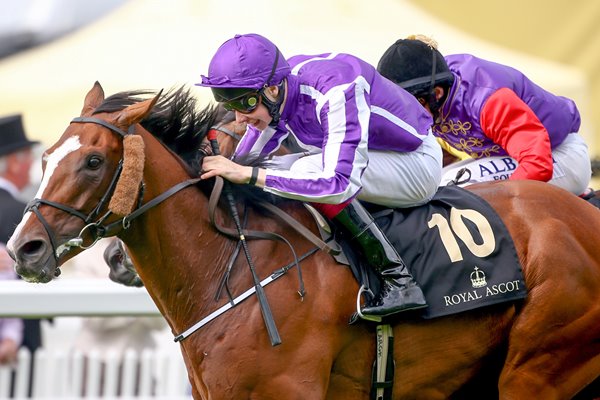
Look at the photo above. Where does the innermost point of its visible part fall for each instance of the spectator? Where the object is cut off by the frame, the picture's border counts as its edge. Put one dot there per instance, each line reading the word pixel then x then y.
pixel 11 329
pixel 16 158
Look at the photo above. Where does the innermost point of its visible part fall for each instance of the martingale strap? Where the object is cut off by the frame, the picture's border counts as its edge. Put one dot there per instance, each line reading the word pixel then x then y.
pixel 251 234
pixel 234 302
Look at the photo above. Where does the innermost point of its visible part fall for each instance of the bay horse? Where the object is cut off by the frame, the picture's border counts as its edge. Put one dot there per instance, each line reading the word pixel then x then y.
pixel 547 346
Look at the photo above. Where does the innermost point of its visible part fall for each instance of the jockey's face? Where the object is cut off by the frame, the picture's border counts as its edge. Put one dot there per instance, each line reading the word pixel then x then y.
pixel 259 117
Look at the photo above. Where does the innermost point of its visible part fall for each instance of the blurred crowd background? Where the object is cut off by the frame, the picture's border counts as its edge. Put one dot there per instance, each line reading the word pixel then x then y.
pixel 54 50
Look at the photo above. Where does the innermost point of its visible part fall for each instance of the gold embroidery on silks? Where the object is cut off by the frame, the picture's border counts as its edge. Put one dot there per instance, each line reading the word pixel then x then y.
pixel 495 149
pixel 456 128
pixel 448 128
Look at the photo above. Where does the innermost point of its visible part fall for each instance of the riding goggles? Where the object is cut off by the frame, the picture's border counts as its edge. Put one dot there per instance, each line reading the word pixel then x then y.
pixel 240 100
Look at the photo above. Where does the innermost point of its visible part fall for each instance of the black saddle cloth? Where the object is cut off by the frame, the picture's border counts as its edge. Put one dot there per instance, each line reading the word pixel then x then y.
pixel 456 247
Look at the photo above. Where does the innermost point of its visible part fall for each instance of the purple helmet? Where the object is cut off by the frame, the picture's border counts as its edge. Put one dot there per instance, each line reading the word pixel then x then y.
pixel 246 61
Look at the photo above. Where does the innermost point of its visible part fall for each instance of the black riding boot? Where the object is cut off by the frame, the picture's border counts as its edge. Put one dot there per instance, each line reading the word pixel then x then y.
pixel 399 291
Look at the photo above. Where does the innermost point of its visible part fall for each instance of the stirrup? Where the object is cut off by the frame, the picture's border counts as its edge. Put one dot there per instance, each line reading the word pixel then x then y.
pixel 374 318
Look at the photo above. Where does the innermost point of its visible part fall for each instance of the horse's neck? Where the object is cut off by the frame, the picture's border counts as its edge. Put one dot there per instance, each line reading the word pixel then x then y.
pixel 173 245
pixel 181 257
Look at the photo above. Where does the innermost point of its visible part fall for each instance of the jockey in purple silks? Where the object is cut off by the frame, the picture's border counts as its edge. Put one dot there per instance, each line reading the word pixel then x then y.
pixel 509 126
pixel 360 137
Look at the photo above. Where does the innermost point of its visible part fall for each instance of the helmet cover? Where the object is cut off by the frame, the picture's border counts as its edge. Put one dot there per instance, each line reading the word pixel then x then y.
pixel 246 61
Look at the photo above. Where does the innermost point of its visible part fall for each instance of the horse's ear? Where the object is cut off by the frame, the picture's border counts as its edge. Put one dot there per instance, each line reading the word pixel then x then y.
pixel 137 112
pixel 93 99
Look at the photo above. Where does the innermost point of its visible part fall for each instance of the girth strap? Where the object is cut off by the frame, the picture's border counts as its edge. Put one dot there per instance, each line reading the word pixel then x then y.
pixel 383 368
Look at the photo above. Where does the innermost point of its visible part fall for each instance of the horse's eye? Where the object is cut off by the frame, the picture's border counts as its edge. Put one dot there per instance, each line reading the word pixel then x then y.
pixel 94 162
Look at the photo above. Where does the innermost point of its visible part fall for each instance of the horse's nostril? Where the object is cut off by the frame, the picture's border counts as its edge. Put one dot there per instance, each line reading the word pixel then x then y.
pixel 32 247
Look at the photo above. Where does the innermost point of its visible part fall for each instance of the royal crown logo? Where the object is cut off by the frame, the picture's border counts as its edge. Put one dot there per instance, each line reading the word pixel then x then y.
pixel 478 278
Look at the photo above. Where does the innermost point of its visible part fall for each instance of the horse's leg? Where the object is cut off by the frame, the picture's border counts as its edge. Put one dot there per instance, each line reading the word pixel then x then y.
pixel 554 347
pixel 348 388
pixel 196 394
pixel 328 363
pixel 234 367
pixel 436 358
pixel 350 375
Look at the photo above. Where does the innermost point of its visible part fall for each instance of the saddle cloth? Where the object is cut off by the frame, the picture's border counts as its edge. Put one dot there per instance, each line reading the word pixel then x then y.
pixel 458 250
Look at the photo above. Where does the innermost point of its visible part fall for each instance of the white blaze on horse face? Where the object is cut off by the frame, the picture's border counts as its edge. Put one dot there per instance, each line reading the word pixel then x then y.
pixel 52 161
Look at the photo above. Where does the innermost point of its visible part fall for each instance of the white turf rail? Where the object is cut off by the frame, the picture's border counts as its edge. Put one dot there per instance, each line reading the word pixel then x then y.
pixel 60 374
pixel 70 297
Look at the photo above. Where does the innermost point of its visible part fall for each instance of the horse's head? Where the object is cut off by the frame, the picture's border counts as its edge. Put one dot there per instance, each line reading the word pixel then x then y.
pixel 82 175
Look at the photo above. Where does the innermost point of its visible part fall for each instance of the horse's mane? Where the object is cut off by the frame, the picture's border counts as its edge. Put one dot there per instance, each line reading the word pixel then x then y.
pixel 175 120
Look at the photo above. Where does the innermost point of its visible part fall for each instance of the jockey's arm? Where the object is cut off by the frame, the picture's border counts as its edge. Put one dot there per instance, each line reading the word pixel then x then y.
pixel 509 121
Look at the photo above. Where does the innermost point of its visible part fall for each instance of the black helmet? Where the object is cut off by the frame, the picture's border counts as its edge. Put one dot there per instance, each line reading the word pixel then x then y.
pixel 416 65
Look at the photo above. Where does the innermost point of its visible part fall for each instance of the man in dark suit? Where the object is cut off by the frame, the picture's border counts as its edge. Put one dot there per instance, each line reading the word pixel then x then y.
pixel 16 158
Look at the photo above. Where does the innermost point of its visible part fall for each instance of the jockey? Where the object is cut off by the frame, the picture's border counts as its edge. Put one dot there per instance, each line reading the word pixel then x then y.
pixel 364 138
pixel 512 128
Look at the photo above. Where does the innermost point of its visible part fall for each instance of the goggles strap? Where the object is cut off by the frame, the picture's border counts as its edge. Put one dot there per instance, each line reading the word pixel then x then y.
pixel 432 100
pixel 273 68
pixel 435 104
pixel 274 106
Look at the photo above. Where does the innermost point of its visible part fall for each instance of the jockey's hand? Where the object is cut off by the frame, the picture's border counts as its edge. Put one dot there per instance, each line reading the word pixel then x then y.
pixel 220 166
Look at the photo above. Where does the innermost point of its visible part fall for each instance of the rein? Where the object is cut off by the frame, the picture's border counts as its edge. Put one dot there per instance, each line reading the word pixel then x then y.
pixel 99 231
